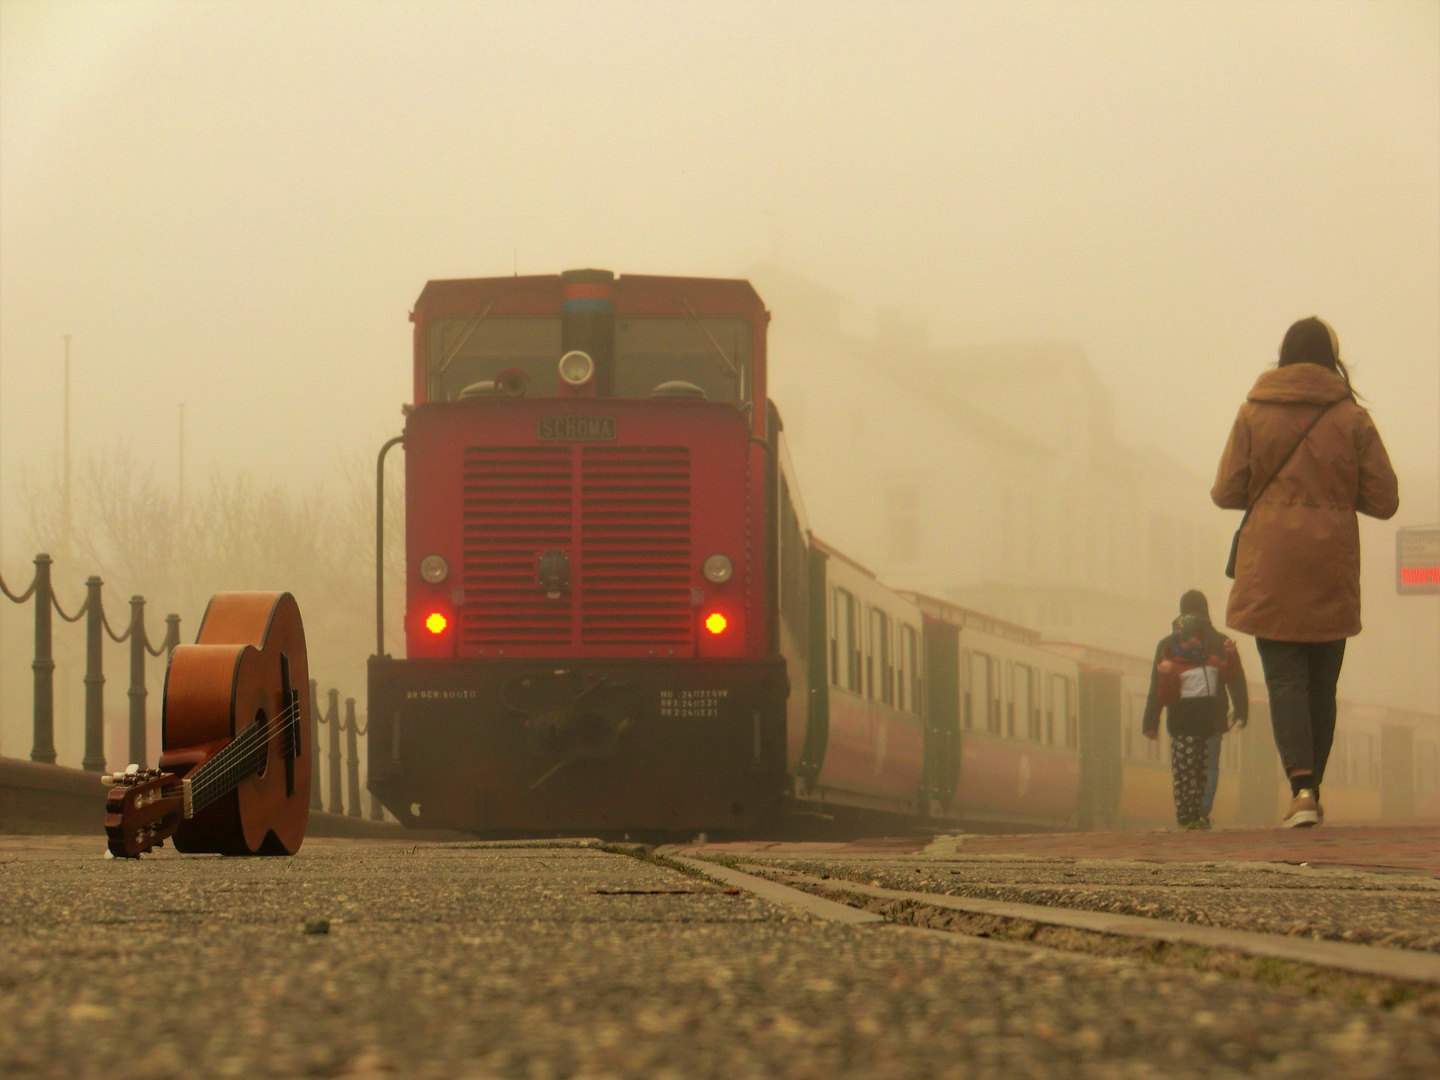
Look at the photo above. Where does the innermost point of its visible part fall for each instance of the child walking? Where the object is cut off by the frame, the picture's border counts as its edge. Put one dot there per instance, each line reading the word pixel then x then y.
pixel 1196 675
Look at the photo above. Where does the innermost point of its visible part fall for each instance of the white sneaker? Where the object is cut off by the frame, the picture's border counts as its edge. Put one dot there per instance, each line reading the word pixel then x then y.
pixel 1304 811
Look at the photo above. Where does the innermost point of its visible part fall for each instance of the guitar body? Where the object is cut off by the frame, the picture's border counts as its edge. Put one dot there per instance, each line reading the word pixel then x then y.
pixel 246 678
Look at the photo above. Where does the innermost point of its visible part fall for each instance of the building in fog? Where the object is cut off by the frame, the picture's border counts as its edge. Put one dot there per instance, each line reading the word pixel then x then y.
pixel 989 476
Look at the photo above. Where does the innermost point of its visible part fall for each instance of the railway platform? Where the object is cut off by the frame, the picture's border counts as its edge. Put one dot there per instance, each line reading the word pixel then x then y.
pixel 568 959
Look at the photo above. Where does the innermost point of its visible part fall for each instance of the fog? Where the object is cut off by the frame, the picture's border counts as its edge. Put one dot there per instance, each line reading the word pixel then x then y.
pixel 232 206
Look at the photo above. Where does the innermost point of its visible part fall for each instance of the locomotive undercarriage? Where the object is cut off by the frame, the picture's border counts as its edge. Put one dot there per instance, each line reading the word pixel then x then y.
pixel 560 745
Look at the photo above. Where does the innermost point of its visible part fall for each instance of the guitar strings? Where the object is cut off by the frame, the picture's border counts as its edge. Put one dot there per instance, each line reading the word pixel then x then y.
pixel 214 778
pixel 217 776
pixel 239 748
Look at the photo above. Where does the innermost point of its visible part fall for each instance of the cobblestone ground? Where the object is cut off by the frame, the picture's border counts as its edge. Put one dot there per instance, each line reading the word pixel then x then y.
pixel 474 961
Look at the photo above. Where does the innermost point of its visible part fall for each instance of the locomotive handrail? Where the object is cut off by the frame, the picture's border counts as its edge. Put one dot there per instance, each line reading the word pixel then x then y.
pixel 380 543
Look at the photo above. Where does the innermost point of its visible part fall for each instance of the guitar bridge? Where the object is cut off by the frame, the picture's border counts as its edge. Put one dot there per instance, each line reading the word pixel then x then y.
pixel 187 800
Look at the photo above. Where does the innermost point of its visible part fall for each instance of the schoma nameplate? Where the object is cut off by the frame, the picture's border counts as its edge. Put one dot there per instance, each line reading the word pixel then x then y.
pixel 577 428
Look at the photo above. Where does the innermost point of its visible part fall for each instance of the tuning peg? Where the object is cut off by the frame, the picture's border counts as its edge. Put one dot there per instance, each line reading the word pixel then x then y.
pixel 132 769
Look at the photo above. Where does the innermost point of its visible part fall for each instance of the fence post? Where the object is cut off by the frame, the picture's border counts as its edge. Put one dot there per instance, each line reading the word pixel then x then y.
pixel 172 635
pixel 94 760
pixel 139 754
pixel 332 717
pixel 316 803
pixel 43 740
pixel 352 764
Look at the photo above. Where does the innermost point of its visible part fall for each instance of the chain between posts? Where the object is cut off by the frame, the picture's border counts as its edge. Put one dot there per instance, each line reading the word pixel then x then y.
pixel 61 611
pixel 117 638
pixel 23 596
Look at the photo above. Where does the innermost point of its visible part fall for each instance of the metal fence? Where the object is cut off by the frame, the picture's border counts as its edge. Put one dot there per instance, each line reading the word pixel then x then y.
pixel 97 626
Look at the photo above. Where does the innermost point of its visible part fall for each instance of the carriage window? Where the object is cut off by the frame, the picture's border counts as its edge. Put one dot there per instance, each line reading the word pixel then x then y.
pixel 833 615
pixel 1020 699
pixel 881 676
pixel 977 688
pixel 993 714
pixel 1009 691
pixel 845 644
pixel 1072 716
pixel 852 638
pixel 1062 713
pixel 869 634
pixel 910 681
pixel 902 670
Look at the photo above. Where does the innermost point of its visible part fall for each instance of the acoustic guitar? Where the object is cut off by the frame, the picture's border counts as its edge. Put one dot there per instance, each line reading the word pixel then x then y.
pixel 235 766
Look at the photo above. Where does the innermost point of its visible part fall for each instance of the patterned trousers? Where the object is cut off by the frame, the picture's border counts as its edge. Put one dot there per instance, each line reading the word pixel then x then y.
pixel 1189 766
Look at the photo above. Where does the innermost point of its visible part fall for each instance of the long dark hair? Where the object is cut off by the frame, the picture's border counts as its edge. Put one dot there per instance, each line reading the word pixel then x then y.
pixel 1311 341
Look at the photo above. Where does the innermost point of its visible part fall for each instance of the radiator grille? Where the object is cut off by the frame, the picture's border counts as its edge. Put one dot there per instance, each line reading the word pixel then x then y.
pixel 635 545
pixel 518 501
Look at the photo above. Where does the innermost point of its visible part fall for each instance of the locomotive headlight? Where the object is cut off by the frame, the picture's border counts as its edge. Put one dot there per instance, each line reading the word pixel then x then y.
pixel 717 569
pixel 434 569
pixel 576 367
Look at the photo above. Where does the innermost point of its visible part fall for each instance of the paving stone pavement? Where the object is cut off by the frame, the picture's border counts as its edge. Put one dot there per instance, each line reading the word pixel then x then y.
pixel 482 961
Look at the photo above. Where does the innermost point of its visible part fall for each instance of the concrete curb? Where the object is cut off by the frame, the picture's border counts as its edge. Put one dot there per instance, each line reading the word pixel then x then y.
pixel 49 799
pixel 1402 964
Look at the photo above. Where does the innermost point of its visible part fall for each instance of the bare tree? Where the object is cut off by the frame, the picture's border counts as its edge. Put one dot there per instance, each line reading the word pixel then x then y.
pixel 234 533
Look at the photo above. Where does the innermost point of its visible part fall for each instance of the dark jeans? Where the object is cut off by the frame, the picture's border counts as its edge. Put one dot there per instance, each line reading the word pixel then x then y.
pixel 1301 678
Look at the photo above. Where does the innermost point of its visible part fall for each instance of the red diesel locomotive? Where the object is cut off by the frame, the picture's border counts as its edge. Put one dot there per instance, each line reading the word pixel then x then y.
pixel 595 579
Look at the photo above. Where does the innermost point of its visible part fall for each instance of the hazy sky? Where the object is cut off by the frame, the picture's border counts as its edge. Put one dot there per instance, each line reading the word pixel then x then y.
pixel 233 205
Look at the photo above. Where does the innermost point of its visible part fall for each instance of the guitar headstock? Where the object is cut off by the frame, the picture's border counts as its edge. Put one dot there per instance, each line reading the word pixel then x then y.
pixel 143 808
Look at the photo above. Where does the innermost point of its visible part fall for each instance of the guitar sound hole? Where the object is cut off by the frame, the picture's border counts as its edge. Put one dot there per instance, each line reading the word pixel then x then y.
pixel 262 751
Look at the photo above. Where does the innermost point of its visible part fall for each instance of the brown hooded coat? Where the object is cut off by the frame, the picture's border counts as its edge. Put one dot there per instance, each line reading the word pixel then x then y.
pixel 1297 573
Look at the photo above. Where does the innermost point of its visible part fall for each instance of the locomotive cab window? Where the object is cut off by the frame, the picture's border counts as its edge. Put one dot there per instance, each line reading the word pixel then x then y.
pixel 469 353
pixel 705 359
pixel 682 357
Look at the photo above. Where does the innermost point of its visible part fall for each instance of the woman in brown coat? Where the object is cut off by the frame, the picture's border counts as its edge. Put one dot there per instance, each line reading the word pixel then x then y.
pixel 1297 570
